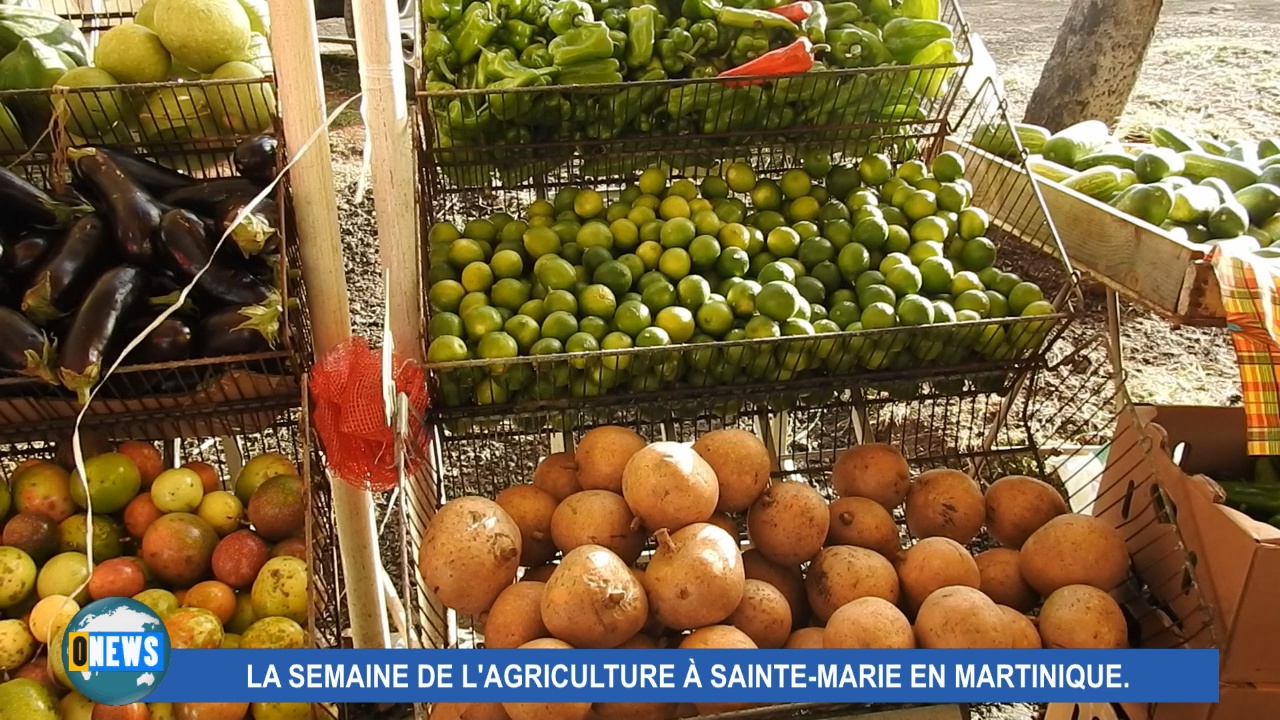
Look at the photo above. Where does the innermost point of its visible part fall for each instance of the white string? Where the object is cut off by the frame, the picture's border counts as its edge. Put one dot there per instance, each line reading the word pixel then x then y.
pixel 244 211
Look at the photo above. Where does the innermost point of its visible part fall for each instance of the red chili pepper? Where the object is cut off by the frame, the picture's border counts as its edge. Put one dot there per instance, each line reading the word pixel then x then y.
pixel 796 12
pixel 794 58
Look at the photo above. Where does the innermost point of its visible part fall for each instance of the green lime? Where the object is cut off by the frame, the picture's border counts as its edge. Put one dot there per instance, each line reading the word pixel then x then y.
pixel 730 210
pixel 804 209
pixel 653 337
pixel 973 223
pixel 759 261
pixel 901 195
pixel 653 181
pixel 894 188
pixel 616 341
pixel 540 208
pixel 795 183
pixel 704 251
pixel 783 241
pixel 930 229
pixel 563 200
pixel 877 293
pixel 766 195
pixel 796 266
pixel 559 325
pixel 594 257
pixel 614 275
pixel 650 278
pixel 707 222
pixel 1005 283
pixel 631 317
pixel 446 295
pixel 714 187
pixel 594 233
pixel 616 211
pixel 735 235
pixel 555 273
pixel 715 318
pixel 952 198
pixel 975 301
pixel 447 348
pixel 878 316
pixel 965 280
pixel 677 321
pixel 640 215
pixel 834 210
pixel 1023 295
pixel 943 312
pixel 513 232
pixel 658 296
pixel 919 204
pixel 843 313
pixel 936 274
pixel 567 230
pixel 893 260
pixel 978 254
pixel 778 300
pixel 649 252
pixel 445 323
pixel 510 293
pixel 999 305
pixel 684 188
pixel 675 263
pixel 902 279
pixel 863 201
pixel 588 204
pixel 767 220
pixel 776 271
pixel 481 320
pixel 842 180
pixel 913 171
pixel 929 183
pixel 597 300
pixel 948 166
pixel 465 251
pixel 839 232
pixel 1027 335
pixel 692 291
pixel 915 310
pixel 761 326
pixel 443 233
pixel 853 261
pixel 871 232
pixel 875 170
pixel 649 202
pixel 742 298
pixel 817 163
pixel 596 327
pixel 581 343
pixel 677 233
pixel 482 230
pixel 740 177
pixel 539 241
pixel 815 250
pixel 827 273
pixel 634 266
pixel 524 329
pixel 733 262
pixel 506 264
pixel 674 206
pixel 533 308
pixel 490 391
pixel 921 251
pixel 811 289
pixel 867 279
pixel 561 300
pixel 472 300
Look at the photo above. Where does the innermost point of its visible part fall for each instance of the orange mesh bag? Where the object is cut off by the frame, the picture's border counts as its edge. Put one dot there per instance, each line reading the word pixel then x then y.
pixel 350 417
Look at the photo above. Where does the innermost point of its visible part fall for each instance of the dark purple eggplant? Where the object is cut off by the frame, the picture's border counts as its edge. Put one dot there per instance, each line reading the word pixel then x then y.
pixel 27 206
pixel 148 174
pixel 26 254
pixel 102 316
pixel 255 159
pixel 239 331
pixel 206 196
pixel 184 243
pixel 169 342
pixel 133 213
pixel 256 233
pixel 24 348
pixel 56 288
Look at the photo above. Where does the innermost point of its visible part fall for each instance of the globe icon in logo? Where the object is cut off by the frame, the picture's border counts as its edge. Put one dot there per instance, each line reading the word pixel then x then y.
pixel 102 619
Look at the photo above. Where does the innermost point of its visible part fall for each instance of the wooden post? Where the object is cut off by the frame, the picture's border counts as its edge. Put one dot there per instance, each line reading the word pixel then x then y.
pixel 295 50
pixel 1095 62
pixel 391 154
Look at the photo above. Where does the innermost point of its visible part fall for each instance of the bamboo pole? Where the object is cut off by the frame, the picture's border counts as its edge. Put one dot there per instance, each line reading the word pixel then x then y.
pixel 295 50
pixel 391 156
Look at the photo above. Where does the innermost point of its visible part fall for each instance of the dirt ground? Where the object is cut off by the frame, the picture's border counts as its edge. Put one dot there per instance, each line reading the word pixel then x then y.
pixel 1211 69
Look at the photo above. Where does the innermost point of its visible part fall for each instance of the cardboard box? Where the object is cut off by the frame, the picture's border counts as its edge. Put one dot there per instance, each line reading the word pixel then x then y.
pixel 1236 702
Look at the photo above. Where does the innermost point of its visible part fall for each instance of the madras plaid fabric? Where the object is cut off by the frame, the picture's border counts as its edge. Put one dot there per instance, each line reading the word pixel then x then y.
pixel 1251 296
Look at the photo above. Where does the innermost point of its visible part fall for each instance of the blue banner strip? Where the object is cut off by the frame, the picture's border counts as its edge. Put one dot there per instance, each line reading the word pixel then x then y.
pixel 766 676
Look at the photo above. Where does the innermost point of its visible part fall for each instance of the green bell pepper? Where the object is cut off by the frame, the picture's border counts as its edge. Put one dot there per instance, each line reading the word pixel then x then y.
pixel 474 31
pixel 631 101
pixel 845 13
pixel 619 40
pixel 880 11
pixel 441 11
pixel 708 67
pixel 750 45
pixel 1260 502
pixel 673 61
pixel 536 57
pixel 509 106
pixel 506 9
pixel 641 35
pixel 752 19
pixel 437 52
pixel 615 18
pixel 462 119
pixel 928 83
pixel 815 26
pixel 536 13
pixel 778 117
pixel 851 46
pixel 589 41
pixel 568 14
pixel 705 34
pixel 680 39
pixel 736 111
pixel 921 9
pixel 599 71
pixel 689 99
pixel 904 37
pixel 518 34
pixel 700 9
pixel 500 65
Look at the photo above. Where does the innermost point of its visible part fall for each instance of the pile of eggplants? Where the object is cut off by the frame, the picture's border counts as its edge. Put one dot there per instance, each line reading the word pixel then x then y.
pixel 84 273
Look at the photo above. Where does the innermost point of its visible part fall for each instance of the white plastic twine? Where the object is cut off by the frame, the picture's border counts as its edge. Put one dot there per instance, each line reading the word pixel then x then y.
pixel 248 208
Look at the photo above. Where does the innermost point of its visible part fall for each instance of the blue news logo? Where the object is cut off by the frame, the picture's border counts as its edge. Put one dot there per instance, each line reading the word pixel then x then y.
pixel 116 651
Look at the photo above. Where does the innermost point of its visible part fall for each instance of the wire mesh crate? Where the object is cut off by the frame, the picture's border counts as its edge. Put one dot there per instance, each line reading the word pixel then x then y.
pixel 519 134
pixel 1056 425
pixel 220 443
pixel 987 351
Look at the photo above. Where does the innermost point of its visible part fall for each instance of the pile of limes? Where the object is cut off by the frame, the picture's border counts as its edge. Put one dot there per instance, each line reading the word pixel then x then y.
pixel 735 257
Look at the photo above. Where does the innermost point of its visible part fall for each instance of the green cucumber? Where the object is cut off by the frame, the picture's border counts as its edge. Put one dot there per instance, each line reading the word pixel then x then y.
pixel 1193 204
pixel 1110 157
pixel 1213 147
pixel 1128 178
pixel 1072 143
pixel 1158 163
pixel 996 138
pixel 1172 138
pixel 1270 175
pixel 1148 202
pixel 1260 200
pixel 1098 183
pixel 1270 162
pixel 1233 172
pixel 1269 147
pixel 1224 190
pixel 1245 152
pixel 1229 220
pixel 1272 227
pixel 1048 170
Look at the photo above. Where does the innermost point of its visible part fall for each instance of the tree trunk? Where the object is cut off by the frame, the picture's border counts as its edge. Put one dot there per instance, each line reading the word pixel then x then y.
pixel 1095 62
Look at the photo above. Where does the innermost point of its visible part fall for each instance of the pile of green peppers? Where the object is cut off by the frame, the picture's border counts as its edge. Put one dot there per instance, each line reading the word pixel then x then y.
pixel 1258 497
pixel 485 61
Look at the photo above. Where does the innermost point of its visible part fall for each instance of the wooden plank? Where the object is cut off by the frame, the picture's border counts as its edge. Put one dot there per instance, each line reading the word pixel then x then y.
pixel 1136 259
